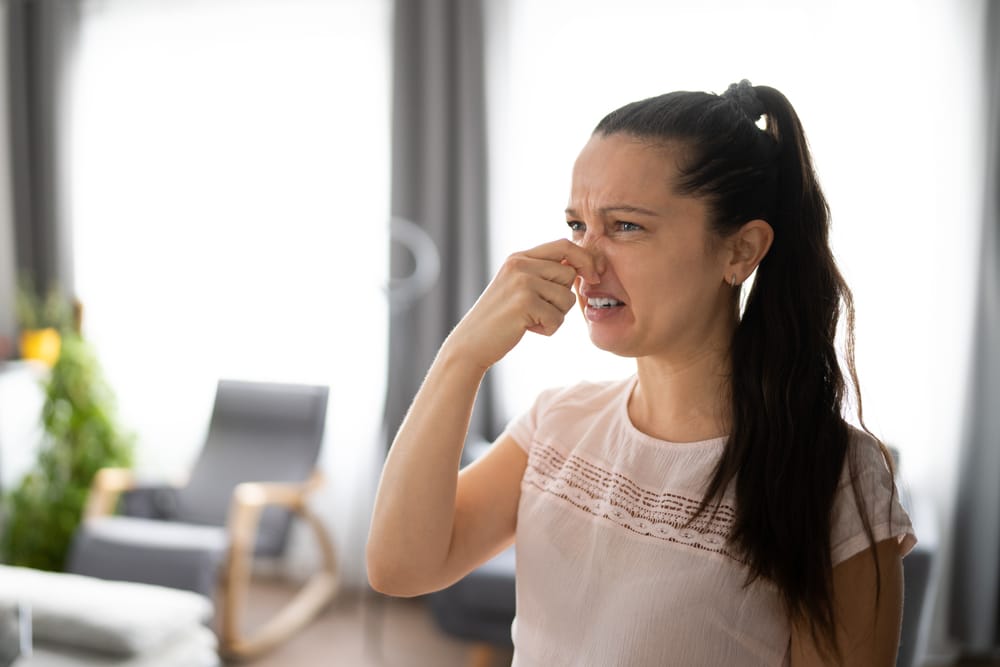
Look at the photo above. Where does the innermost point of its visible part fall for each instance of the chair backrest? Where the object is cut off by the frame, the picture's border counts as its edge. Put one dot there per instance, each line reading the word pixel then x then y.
pixel 259 431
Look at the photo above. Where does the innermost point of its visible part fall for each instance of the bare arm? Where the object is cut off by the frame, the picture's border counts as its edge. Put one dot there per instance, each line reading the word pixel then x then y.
pixel 430 525
pixel 867 636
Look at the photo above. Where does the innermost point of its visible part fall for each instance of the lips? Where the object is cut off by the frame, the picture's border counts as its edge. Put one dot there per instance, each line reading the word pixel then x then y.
pixel 601 307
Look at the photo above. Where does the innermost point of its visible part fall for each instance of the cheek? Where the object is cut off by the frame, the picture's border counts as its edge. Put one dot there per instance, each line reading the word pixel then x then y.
pixel 661 283
pixel 636 269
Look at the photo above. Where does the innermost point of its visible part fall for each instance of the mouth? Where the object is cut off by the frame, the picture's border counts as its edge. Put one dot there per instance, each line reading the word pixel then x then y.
pixel 603 302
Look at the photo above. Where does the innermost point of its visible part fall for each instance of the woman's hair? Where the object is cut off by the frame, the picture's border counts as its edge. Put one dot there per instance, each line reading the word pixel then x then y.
pixel 789 440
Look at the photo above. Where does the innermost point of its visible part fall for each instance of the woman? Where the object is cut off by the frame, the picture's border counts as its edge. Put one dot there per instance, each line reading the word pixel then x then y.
pixel 713 509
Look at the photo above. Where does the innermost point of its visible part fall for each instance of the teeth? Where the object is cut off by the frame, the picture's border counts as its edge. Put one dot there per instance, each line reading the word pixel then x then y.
pixel 603 302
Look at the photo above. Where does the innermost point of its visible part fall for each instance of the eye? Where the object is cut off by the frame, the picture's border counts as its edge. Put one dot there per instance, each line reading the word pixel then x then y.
pixel 576 226
pixel 628 226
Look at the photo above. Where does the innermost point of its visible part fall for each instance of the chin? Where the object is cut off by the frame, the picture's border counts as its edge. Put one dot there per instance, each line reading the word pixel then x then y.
pixel 612 345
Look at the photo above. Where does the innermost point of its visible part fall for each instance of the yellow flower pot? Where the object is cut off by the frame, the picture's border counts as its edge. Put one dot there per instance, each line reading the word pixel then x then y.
pixel 41 345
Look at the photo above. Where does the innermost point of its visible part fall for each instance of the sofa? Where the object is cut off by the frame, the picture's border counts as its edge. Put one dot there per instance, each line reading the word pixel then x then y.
pixel 81 621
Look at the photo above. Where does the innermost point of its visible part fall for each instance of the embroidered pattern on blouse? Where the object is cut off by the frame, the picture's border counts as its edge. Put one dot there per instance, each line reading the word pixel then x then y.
pixel 615 497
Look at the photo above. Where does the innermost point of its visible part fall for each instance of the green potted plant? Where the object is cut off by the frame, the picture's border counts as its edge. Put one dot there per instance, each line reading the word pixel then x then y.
pixel 42 320
pixel 80 437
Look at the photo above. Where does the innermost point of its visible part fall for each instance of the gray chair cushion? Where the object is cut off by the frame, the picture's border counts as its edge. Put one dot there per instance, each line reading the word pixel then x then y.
pixel 150 501
pixel 165 553
pixel 916 576
pixel 480 606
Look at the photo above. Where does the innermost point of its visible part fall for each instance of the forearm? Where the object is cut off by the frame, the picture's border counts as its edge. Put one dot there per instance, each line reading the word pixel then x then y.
pixel 414 512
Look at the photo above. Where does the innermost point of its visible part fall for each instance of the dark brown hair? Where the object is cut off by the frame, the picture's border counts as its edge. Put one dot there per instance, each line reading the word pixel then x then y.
pixel 789 441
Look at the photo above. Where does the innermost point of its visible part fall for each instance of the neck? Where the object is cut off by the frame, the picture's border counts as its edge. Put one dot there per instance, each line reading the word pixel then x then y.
pixel 683 399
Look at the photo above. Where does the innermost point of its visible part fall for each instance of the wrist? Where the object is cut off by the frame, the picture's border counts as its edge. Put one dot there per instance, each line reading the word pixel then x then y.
pixel 456 357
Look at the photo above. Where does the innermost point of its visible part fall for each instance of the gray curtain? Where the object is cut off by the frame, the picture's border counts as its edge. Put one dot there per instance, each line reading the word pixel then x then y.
pixel 41 37
pixel 439 255
pixel 975 601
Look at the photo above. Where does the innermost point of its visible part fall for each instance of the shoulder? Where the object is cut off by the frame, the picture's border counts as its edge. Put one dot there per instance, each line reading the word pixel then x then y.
pixel 582 395
pixel 565 410
pixel 867 500
pixel 866 457
pixel 867 470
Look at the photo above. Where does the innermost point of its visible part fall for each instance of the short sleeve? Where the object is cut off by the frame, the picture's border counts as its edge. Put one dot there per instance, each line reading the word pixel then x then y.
pixel 880 499
pixel 524 427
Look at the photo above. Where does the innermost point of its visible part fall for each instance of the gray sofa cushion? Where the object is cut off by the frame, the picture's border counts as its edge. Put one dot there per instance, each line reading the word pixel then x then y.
pixel 192 648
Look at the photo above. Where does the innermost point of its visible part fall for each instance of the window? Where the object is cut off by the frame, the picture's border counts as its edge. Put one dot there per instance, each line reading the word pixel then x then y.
pixel 228 176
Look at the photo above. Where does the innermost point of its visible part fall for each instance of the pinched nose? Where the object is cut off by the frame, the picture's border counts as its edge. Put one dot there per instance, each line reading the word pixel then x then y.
pixel 600 263
pixel 595 246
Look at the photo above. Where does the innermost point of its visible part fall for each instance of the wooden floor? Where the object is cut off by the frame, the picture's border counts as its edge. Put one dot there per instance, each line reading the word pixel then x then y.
pixel 360 629
pixel 363 629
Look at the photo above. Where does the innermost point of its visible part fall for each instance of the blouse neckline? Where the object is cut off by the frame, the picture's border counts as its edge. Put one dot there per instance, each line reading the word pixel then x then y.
pixel 645 438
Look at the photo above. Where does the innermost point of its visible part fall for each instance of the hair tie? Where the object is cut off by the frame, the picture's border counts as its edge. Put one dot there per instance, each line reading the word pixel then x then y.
pixel 744 96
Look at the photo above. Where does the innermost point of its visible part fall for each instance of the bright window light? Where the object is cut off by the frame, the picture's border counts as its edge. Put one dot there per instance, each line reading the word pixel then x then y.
pixel 228 169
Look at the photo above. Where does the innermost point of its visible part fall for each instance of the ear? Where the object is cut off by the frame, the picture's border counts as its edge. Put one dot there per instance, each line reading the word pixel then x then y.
pixel 748 246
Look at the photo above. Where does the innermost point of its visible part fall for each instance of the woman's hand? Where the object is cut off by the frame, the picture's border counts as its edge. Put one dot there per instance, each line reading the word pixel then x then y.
pixel 532 291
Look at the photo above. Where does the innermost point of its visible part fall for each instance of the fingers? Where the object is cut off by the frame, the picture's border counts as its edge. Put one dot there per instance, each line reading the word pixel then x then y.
pixel 545 319
pixel 541 302
pixel 565 251
pixel 534 296
pixel 559 296
pixel 522 264
pixel 546 304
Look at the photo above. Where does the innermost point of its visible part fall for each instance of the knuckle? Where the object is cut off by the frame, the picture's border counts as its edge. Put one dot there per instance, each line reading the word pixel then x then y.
pixel 522 281
pixel 513 262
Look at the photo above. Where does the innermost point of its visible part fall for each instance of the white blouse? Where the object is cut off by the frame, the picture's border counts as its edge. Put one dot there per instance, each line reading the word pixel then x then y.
pixel 607 574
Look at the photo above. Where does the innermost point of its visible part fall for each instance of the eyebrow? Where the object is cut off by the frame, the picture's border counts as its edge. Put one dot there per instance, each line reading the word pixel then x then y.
pixel 617 208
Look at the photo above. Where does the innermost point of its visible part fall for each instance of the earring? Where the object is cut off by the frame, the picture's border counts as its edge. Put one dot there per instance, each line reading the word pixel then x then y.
pixel 732 280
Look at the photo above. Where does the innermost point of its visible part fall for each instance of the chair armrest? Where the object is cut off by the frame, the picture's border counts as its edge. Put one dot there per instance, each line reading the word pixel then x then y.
pixel 284 494
pixel 105 488
pixel 249 500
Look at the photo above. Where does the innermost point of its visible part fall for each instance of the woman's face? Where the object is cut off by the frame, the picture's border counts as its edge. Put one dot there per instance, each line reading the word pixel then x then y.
pixel 663 289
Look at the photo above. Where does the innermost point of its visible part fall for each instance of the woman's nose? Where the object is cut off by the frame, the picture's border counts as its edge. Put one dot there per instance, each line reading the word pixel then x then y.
pixel 594 243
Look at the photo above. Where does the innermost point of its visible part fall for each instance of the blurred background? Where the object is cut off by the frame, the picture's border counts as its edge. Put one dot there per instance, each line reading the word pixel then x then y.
pixel 314 190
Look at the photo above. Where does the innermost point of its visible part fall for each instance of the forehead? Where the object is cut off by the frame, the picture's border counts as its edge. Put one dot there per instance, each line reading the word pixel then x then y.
pixel 621 168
